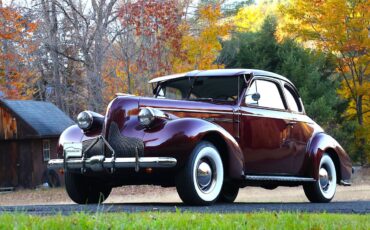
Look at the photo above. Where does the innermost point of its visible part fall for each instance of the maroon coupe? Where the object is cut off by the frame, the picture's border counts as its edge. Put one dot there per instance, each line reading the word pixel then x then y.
pixel 208 133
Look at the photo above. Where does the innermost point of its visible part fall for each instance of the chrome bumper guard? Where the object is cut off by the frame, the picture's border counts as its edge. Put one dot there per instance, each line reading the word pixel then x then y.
pixel 100 163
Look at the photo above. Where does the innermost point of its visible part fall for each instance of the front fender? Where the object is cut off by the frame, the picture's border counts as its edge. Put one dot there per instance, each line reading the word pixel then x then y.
pixel 323 143
pixel 74 134
pixel 177 138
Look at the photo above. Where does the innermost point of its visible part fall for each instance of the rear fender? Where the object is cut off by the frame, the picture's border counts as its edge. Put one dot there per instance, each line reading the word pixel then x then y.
pixel 177 138
pixel 323 143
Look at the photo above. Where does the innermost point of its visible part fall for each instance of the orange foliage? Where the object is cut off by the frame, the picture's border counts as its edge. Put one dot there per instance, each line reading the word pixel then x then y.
pixel 16 45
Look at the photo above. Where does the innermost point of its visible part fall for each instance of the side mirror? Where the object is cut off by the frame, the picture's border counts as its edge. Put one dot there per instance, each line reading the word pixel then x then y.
pixel 256 97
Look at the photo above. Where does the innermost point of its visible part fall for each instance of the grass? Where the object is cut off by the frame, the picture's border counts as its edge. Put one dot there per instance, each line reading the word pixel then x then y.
pixel 156 220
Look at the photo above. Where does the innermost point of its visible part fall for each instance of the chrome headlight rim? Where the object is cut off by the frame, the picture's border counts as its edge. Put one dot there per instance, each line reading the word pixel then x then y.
pixel 88 122
pixel 146 116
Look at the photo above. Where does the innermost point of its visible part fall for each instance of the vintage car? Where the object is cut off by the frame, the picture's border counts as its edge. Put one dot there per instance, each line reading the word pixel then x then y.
pixel 208 133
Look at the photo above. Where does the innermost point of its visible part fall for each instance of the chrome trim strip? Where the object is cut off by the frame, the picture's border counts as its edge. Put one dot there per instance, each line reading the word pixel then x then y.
pixel 278 178
pixel 230 113
pixel 98 163
pixel 194 111
pixel 215 119
pixel 284 118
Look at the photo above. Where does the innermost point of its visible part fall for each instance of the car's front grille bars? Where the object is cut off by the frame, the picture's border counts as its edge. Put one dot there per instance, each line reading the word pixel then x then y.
pixel 83 169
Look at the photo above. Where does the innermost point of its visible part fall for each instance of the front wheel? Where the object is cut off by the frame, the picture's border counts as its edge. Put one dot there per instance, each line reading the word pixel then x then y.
pixel 85 190
pixel 228 193
pixel 323 190
pixel 200 182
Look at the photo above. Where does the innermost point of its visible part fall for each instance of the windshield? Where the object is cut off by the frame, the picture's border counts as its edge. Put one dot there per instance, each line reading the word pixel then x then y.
pixel 202 88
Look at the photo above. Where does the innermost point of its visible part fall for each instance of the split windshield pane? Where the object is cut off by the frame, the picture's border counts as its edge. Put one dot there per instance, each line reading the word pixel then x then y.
pixel 202 88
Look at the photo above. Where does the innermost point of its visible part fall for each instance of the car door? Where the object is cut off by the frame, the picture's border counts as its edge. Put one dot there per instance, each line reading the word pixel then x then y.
pixel 264 128
pixel 300 131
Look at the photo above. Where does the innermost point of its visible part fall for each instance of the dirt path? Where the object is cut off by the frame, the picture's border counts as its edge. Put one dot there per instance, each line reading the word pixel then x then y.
pixel 134 194
pixel 360 190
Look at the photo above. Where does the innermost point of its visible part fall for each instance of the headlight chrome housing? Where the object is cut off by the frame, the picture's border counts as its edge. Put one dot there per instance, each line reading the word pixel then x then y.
pixel 148 115
pixel 85 120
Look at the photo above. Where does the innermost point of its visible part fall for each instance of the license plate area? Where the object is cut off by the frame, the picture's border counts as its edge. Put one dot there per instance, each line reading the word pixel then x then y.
pixel 72 149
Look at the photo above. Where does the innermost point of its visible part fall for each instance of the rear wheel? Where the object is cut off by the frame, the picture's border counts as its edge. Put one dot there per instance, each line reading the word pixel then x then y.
pixel 228 193
pixel 323 190
pixel 85 190
pixel 200 182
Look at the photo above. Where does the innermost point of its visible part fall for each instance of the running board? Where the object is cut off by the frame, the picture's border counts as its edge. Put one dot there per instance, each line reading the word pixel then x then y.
pixel 278 178
pixel 345 183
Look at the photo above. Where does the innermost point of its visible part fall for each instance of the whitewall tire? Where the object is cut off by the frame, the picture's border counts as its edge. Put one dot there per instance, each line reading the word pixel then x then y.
pixel 323 190
pixel 201 180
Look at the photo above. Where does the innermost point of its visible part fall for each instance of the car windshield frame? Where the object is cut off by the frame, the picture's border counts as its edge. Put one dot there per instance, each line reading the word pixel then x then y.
pixel 241 84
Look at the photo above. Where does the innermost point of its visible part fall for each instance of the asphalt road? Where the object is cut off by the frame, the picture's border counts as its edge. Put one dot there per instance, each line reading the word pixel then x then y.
pixel 358 207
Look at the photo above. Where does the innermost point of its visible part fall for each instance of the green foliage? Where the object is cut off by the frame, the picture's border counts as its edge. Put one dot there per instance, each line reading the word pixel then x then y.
pixel 231 9
pixel 312 72
pixel 157 220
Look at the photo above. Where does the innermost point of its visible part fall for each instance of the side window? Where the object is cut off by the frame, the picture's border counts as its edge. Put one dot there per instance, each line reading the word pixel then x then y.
pixel 160 93
pixel 170 93
pixel 292 99
pixel 270 96
pixel 46 149
pixel 252 90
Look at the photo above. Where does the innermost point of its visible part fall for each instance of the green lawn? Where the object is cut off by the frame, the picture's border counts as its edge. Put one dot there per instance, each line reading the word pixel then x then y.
pixel 155 220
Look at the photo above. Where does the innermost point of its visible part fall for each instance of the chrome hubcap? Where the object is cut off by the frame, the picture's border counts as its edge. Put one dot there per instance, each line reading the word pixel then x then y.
pixel 324 179
pixel 204 176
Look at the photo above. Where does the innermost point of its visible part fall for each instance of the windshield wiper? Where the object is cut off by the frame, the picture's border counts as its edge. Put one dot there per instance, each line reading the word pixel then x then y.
pixel 201 99
pixel 206 99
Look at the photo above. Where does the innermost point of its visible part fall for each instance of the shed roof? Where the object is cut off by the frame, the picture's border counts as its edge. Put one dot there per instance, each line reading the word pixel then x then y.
pixel 44 117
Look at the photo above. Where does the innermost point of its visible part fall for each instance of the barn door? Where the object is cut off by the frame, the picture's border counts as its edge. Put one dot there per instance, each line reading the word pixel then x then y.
pixel 25 169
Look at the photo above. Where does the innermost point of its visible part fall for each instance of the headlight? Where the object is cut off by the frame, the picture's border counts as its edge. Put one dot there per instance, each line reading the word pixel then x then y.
pixel 85 120
pixel 147 115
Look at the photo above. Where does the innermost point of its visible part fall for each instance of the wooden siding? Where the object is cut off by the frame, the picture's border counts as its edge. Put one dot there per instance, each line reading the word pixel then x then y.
pixel 8 164
pixel 22 163
pixel 8 125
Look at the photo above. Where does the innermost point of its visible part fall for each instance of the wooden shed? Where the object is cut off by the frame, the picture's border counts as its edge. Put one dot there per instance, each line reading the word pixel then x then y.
pixel 29 132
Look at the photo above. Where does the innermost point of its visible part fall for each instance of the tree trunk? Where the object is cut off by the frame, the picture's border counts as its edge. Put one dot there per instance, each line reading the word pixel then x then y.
pixel 362 140
pixel 6 67
pixel 51 23
pixel 54 56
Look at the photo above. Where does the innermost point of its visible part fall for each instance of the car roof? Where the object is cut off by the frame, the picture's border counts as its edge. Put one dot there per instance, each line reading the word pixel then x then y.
pixel 219 72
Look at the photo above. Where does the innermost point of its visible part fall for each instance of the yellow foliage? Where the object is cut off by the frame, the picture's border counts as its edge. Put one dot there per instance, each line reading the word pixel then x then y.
pixel 200 50
pixel 250 18
pixel 340 27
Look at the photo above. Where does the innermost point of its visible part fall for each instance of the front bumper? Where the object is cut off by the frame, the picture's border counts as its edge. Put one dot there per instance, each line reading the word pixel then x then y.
pixel 100 163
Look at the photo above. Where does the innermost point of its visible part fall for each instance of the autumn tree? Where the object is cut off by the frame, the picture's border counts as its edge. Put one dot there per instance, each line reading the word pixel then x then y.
pixel 152 35
pixel 15 49
pixel 250 18
pixel 200 42
pixel 340 27
pixel 85 29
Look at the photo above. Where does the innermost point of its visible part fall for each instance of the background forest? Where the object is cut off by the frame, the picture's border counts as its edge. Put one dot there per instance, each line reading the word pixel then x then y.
pixel 79 53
